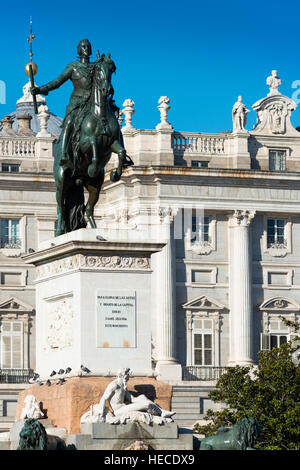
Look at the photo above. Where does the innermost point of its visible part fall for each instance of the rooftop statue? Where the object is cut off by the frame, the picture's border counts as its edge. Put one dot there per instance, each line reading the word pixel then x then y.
pixel 274 83
pixel 239 115
pixel 90 133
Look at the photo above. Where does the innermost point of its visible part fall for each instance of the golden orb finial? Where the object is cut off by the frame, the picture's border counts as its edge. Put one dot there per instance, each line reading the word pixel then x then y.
pixel 34 66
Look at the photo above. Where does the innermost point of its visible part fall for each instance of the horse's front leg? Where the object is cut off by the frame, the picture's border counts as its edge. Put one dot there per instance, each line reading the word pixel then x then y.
pixel 93 188
pixel 60 199
pixel 124 161
pixel 94 167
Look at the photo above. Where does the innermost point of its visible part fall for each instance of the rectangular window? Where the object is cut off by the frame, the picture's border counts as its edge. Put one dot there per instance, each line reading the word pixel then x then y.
pixel 11 343
pixel 200 228
pixel 275 232
pixel 10 233
pixel 277 160
pixel 203 342
pixel 10 168
pixel 199 164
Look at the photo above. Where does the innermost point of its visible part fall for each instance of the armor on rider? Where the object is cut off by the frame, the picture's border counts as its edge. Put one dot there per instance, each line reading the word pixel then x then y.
pixel 81 75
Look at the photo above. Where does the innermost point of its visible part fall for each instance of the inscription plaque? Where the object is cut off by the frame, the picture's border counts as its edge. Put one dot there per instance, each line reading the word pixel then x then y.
pixel 116 319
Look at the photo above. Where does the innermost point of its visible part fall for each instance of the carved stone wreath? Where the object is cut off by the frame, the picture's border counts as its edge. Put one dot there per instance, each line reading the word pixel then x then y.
pixel 89 261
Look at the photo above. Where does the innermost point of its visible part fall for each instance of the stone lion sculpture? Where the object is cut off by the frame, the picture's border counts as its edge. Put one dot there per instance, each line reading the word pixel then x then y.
pixel 33 436
pixel 241 436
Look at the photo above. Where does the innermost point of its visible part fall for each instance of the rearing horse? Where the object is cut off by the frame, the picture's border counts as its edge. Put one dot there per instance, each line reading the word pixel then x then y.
pixel 97 134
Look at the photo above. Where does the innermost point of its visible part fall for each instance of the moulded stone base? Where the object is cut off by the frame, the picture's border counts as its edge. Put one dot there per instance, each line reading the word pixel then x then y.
pixel 169 371
pixel 103 436
pixel 65 404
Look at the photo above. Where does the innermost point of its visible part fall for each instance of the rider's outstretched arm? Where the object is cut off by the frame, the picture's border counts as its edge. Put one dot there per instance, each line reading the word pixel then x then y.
pixel 57 82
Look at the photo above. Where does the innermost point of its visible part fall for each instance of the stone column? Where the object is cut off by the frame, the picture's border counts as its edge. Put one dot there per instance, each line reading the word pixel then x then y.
pixel 240 288
pixel 167 366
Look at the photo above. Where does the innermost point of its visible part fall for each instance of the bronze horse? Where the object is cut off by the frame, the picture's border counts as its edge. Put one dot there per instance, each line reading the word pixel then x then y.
pixel 97 134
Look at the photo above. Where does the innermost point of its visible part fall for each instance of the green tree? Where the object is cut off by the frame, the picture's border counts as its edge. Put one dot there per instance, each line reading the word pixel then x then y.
pixel 269 393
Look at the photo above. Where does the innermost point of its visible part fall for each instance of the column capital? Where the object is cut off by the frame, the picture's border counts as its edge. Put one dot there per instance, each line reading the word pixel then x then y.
pixel 243 217
pixel 167 214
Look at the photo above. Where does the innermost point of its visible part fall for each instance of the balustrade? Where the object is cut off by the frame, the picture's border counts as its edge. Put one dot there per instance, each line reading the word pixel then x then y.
pixel 198 143
pixel 18 148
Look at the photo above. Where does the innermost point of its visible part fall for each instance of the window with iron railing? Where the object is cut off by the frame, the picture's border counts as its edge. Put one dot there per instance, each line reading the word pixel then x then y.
pixel 201 228
pixel 10 233
pixel 276 233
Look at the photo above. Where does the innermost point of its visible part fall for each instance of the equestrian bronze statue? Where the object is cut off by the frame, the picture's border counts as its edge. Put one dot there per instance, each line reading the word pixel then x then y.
pixel 90 133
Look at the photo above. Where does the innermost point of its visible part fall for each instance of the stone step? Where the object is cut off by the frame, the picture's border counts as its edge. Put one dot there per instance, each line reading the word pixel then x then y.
pixel 6 426
pixel 182 416
pixel 189 411
pixel 181 393
pixel 185 399
pixel 184 405
pixel 186 422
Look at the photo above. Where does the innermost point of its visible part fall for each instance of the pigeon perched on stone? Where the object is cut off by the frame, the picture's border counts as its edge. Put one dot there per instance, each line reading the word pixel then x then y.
pixel 39 383
pixel 61 371
pixel 85 369
pixel 52 373
pixel 60 381
pixel 68 370
pixel 35 376
pixel 101 239
pixel 48 382
pixel 31 250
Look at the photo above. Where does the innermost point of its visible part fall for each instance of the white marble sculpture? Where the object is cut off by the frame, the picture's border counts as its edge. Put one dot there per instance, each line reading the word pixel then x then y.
pixel 126 408
pixel 27 96
pixel 31 409
pixel 43 117
pixel 274 83
pixel 163 109
pixel 128 111
pixel 239 116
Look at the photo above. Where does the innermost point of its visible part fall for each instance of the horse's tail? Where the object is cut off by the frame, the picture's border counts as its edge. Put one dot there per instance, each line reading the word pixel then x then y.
pixel 75 208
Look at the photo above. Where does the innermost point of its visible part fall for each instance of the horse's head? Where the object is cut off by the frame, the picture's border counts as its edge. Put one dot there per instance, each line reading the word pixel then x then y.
pixel 104 68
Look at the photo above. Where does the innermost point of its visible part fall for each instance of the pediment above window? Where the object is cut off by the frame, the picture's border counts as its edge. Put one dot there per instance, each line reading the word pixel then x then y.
pixel 280 304
pixel 14 305
pixel 203 303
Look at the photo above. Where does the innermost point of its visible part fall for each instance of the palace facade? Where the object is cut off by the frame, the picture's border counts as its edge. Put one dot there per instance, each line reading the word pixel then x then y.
pixel 227 208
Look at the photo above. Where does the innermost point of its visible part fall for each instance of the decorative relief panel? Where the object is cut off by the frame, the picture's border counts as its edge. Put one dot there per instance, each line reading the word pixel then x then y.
pixel 80 261
pixel 59 324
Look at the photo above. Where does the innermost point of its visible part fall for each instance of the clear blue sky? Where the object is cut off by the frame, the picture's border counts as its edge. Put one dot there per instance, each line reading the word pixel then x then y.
pixel 200 54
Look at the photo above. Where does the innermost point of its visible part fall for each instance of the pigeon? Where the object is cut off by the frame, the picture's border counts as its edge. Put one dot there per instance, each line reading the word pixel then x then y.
pixel 85 369
pixel 68 370
pixel 101 239
pixel 52 373
pixel 48 382
pixel 60 381
pixel 39 383
pixel 52 244
pixel 35 376
pixel 31 250
pixel 61 371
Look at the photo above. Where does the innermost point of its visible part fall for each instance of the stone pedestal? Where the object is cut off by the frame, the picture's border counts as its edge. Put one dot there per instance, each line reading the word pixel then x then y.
pixel 93 304
pixel 103 436
pixel 65 404
pixel 241 155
